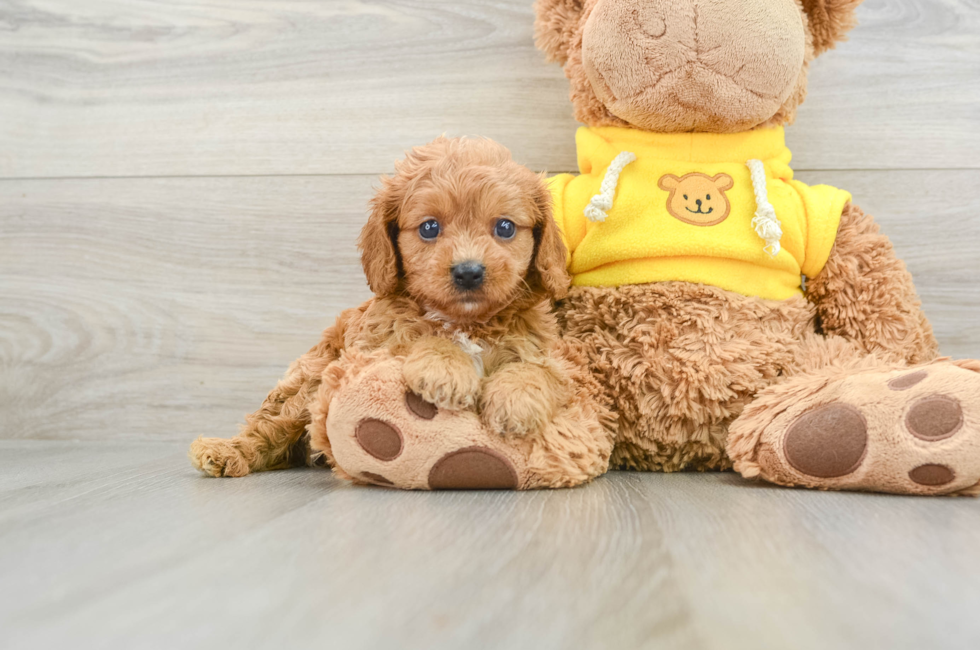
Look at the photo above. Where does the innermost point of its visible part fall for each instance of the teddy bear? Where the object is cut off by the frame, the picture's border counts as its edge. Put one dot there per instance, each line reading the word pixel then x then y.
pixel 735 316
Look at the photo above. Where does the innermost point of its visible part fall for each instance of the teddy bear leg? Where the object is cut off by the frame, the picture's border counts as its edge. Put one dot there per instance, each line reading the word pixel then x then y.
pixel 376 431
pixel 867 426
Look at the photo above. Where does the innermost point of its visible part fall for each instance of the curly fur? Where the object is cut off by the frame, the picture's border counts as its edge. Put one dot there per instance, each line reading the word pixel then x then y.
pixel 467 185
pixel 865 294
pixel 680 362
pixel 829 21
pixel 572 448
pixel 556 27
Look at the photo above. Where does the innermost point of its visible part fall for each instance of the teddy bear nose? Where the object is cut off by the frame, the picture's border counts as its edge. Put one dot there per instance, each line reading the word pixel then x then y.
pixel 468 275
pixel 698 201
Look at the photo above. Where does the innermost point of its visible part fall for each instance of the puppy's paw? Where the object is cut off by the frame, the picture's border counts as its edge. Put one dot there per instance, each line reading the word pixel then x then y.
pixel 453 387
pixel 515 404
pixel 217 457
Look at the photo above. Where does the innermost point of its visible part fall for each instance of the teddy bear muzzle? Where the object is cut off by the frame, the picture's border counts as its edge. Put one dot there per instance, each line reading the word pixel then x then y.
pixel 673 65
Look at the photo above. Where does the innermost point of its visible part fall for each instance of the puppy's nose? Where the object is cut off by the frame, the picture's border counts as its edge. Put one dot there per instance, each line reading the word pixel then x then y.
pixel 468 275
pixel 698 202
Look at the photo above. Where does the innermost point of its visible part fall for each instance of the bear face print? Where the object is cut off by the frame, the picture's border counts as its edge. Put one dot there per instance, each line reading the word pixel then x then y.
pixel 698 199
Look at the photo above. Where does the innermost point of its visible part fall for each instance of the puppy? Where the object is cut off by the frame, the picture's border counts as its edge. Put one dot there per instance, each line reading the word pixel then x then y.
pixel 464 259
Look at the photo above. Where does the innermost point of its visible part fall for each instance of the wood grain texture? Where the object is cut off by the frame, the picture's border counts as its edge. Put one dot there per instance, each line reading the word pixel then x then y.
pixel 138 307
pixel 123 545
pixel 232 87
pixel 167 308
pixel 139 312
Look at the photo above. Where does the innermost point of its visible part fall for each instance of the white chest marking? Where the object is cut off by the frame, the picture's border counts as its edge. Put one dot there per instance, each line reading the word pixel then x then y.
pixel 474 349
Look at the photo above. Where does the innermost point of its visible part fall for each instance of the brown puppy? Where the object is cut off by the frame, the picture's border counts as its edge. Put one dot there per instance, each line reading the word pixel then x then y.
pixel 464 257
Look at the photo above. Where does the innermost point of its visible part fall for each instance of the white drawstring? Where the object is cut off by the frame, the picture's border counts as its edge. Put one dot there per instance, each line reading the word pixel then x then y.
pixel 602 202
pixel 766 223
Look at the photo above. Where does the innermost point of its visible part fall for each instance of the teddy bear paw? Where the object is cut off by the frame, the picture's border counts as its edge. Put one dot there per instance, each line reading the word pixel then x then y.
pixel 383 434
pixel 904 431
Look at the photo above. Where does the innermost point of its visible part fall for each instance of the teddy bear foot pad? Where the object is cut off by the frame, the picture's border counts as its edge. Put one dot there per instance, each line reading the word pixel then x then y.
pixel 904 431
pixel 408 443
pixel 471 468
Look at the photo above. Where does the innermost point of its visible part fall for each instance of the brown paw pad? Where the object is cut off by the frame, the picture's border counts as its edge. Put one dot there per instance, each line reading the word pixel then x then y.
pixel 932 475
pixel 380 439
pixel 906 382
pixel 473 468
pixel 377 479
pixel 418 406
pixel 934 418
pixel 828 441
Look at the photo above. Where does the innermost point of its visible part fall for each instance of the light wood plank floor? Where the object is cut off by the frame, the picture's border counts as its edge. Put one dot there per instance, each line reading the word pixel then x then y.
pixel 181 185
pixel 120 541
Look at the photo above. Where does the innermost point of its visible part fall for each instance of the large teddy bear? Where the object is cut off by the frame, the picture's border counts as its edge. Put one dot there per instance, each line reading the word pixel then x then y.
pixel 722 314
pixel 734 315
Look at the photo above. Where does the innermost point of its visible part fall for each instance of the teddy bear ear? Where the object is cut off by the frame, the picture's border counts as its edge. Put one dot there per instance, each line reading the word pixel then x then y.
pixel 723 182
pixel 555 25
pixel 829 21
pixel 669 182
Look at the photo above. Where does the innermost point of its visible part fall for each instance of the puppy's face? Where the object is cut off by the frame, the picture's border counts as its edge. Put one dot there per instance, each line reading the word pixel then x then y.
pixel 470 231
pixel 466 238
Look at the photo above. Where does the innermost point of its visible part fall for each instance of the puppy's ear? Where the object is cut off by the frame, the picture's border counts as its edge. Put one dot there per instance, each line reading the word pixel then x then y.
pixel 555 25
pixel 378 242
pixel 829 21
pixel 548 273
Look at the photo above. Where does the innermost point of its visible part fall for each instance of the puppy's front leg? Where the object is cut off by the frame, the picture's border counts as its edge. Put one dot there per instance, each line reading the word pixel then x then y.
pixel 441 373
pixel 520 398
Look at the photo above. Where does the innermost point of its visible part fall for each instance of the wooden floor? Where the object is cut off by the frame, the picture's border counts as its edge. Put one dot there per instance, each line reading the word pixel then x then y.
pixel 119 544
pixel 181 185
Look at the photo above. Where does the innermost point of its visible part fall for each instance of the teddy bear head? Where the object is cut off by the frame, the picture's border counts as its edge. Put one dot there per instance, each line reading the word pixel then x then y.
pixel 718 66
pixel 698 199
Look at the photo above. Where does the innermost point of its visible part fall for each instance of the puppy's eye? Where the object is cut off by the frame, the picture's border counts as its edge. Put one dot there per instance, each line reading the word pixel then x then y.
pixel 685 197
pixel 505 229
pixel 709 197
pixel 429 230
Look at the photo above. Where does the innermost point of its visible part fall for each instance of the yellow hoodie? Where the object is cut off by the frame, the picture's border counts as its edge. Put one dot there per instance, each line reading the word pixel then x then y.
pixel 716 209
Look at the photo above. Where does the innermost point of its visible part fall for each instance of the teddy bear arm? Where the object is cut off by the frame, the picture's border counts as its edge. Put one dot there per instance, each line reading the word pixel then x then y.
pixel 865 294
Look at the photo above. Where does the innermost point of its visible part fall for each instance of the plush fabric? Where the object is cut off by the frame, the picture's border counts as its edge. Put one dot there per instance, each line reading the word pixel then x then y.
pixel 677 65
pixel 821 389
pixel 650 233
pixel 679 361
pixel 908 432
pixel 369 388
pixel 866 295
pixel 686 65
